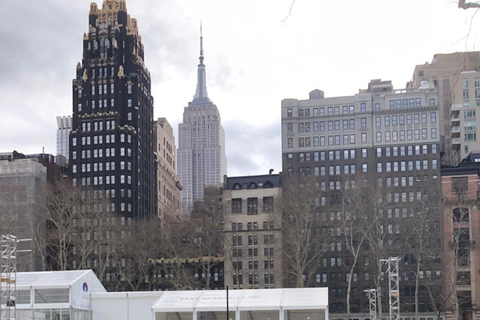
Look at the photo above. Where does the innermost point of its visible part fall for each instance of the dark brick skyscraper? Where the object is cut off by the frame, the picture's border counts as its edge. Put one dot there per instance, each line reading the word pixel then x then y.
pixel 111 148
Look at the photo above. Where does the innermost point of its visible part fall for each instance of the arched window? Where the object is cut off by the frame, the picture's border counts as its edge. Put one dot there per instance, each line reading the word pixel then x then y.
pixel 268 184
pixel 252 185
pixel 237 186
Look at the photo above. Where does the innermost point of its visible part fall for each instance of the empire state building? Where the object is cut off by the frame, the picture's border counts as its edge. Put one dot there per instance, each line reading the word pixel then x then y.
pixel 201 153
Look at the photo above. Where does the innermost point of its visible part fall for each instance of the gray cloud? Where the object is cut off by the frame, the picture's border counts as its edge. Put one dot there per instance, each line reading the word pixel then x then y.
pixel 42 44
pixel 252 149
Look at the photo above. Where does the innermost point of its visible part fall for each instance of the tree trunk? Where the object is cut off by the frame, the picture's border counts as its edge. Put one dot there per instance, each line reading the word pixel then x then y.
pixel 349 288
pixel 416 287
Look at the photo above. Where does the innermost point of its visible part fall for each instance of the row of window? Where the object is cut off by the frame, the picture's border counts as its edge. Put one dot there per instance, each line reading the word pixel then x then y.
pixel 406 165
pixel 98 153
pixel 405 181
pixel 253 265
pixel 402 135
pixel 253 252
pixel 415 118
pixel 348 124
pixel 253 279
pixel 393 104
pixel 350 154
pixel 253 240
pixel 252 205
pixel 333 140
pixel 238 226
pixel 395 166
pixel 99 180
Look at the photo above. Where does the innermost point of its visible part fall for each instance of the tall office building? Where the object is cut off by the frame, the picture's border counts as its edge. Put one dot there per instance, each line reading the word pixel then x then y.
pixel 445 73
pixel 111 142
pixel 168 183
pixel 390 140
pixel 201 152
pixel 63 132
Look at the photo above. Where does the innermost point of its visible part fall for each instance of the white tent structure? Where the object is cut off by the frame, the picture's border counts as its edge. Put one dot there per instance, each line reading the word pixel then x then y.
pixel 79 295
pixel 264 304
pixel 56 295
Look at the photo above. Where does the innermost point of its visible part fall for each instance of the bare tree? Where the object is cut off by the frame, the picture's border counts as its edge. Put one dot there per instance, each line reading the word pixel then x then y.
pixel 377 230
pixel 354 229
pixel 422 242
pixel 136 243
pixel 467 5
pixel 305 233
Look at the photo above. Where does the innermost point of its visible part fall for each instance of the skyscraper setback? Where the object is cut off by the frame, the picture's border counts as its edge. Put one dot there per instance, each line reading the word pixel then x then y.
pixel 111 150
pixel 201 153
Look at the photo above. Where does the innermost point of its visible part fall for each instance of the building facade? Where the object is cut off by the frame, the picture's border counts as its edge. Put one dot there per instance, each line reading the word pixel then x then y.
pixel 23 183
pixel 253 236
pixel 444 72
pixel 387 142
pixel 168 184
pixel 111 142
pixel 64 124
pixel 465 100
pixel 201 152
pixel 461 186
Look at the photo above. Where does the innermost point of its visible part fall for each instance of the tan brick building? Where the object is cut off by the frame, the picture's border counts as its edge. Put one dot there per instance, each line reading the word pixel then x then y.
pixel 460 188
pixel 252 221
pixel 169 188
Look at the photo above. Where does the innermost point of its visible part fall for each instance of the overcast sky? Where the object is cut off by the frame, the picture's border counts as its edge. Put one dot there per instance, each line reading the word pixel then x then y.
pixel 254 60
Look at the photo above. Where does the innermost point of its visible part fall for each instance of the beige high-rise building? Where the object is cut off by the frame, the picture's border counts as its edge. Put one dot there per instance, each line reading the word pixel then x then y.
pixel 169 187
pixel 444 71
pixel 253 236
pixel 465 100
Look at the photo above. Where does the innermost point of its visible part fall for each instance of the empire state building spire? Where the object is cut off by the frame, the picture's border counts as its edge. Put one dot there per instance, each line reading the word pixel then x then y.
pixel 201 95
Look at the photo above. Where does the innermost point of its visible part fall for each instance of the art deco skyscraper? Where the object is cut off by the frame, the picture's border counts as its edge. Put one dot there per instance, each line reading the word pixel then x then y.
pixel 201 153
pixel 111 147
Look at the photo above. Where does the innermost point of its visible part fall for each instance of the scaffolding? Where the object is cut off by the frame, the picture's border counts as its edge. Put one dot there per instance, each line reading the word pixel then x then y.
pixel 8 277
pixel 393 286
pixel 372 302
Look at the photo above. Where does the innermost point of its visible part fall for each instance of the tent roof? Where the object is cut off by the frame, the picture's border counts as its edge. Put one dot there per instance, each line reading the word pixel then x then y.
pixel 263 299
pixel 49 278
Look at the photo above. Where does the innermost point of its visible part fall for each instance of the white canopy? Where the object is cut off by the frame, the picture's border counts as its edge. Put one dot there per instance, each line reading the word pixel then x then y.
pixel 49 278
pixel 264 299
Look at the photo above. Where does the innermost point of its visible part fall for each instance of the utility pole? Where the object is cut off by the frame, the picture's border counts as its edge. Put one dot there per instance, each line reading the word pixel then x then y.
pixel 372 302
pixel 393 286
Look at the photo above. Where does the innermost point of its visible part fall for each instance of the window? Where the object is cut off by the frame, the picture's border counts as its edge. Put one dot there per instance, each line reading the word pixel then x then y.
pixel 364 167
pixel 378 121
pixel 252 206
pixel 409 119
pixel 363 107
pixel 267 204
pixel 364 137
pixel 289 113
pixel 364 153
pixel 363 122
pixel 236 205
